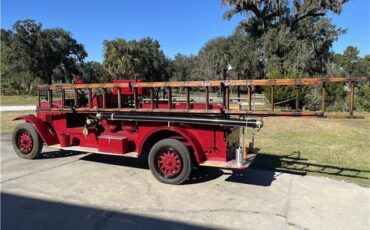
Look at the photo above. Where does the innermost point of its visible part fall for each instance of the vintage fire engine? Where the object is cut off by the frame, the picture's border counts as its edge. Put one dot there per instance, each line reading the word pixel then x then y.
pixel 133 118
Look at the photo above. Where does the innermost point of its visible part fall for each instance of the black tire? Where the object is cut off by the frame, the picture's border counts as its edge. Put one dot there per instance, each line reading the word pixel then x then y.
pixel 177 153
pixel 26 141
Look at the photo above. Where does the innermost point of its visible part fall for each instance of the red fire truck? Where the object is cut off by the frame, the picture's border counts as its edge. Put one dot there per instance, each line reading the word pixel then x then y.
pixel 132 118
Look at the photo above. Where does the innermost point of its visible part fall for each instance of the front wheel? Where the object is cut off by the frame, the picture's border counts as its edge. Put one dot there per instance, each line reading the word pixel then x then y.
pixel 170 161
pixel 26 141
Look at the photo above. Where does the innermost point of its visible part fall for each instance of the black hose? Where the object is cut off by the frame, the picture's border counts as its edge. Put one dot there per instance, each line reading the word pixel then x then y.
pixel 253 123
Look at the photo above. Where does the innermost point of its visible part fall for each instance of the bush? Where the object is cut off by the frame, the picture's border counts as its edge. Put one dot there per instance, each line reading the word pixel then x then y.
pixel 362 98
pixel 11 86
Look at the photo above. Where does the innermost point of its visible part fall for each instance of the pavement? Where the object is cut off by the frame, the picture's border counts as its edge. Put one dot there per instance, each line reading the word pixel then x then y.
pixel 67 190
pixel 11 108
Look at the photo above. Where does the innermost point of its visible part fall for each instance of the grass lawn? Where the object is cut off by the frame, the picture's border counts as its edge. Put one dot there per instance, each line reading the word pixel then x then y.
pixel 335 148
pixel 18 100
pixel 7 123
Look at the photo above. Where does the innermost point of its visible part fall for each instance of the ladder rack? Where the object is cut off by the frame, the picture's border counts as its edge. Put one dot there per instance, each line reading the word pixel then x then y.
pixel 224 108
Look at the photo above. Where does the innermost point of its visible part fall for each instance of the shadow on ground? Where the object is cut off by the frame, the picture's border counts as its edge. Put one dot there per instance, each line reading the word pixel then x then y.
pixel 261 172
pixel 295 164
pixel 19 212
pixel 199 175
pixel 58 154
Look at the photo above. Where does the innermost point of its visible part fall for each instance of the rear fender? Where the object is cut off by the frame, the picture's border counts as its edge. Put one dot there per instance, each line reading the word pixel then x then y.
pixel 46 133
pixel 198 151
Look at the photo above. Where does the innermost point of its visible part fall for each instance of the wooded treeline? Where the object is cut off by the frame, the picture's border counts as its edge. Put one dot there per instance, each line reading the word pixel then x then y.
pixel 276 39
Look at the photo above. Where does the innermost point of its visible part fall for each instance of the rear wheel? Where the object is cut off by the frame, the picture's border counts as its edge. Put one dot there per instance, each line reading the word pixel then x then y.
pixel 170 161
pixel 26 141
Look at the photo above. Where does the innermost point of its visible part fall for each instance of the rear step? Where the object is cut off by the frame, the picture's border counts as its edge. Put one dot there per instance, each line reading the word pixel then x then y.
pixel 233 164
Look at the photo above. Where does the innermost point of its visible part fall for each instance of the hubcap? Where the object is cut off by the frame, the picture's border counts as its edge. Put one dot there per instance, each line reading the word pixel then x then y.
pixel 169 163
pixel 25 142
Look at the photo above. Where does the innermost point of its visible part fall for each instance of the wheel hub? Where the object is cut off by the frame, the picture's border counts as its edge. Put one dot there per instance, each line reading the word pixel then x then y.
pixel 169 163
pixel 25 142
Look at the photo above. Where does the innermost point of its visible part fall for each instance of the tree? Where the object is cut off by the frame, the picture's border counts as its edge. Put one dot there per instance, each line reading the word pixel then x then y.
pixel 348 60
pixel 94 72
pixel 136 60
pixel 262 15
pixel 289 35
pixel 244 57
pixel 34 53
pixel 182 67
pixel 213 60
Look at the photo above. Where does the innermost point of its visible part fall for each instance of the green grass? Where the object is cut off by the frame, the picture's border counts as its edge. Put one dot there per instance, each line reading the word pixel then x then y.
pixel 18 100
pixel 335 148
pixel 7 123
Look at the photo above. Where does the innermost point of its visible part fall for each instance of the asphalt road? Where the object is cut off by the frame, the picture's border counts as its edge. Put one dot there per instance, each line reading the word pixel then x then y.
pixel 66 190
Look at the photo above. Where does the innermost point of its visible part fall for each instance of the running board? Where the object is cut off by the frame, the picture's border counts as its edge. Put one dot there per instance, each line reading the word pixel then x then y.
pixel 233 164
pixel 93 150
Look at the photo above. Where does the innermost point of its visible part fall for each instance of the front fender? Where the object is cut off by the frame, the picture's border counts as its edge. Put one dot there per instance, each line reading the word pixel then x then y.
pixel 46 133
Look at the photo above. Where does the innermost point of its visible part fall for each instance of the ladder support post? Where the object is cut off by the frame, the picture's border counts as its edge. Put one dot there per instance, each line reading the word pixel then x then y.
pixel 63 98
pixel 136 102
pixel 297 99
pixel 104 98
pixel 75 97
pixel 50 99
pixel 169 98
pixel 323 97
pixel 119 97
pixel 188 98
pixel 227 92
pixel 249 98
pixel 89 97
pixel 352 98
pixel 273 98
pixel 39 97
pixel 163 93
pixel 151 90
pixel 207 98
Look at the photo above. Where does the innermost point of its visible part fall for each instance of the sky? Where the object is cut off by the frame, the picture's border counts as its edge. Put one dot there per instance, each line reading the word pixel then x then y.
pixel 179 26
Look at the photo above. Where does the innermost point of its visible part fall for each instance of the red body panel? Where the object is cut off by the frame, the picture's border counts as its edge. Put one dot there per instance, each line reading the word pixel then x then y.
pixel 207 142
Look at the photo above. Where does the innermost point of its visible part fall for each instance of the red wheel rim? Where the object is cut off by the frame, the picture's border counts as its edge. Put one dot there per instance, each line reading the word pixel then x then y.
pixel 25 142
pixel 169 163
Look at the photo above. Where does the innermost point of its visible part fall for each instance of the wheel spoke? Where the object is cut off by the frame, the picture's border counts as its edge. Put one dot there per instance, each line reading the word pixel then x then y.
pixel 169 163
pixel 25 142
